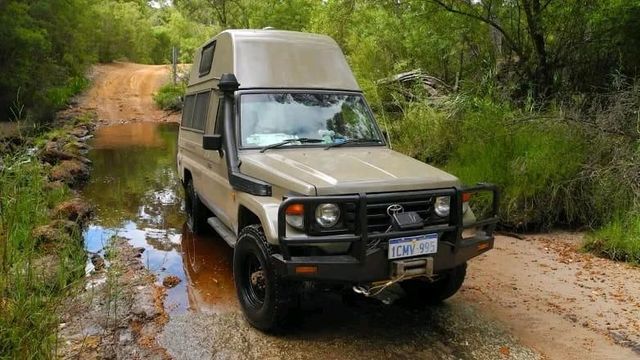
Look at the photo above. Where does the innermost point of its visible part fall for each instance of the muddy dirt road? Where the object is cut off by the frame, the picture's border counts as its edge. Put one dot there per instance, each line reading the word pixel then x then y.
pixel 527 299
pixel 122 92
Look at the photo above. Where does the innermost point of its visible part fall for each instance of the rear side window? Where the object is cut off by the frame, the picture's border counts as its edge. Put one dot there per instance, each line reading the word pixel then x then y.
pixel 200 111
pixel 206 60
pixel 187 111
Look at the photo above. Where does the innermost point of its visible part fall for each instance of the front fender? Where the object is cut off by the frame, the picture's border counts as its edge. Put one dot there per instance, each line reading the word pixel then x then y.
pixel 266 209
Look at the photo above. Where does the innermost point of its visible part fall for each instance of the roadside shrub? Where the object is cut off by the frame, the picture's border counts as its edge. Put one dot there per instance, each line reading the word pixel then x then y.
pixel 427 133
pixel 575 163
pixel 59 96
pixel 535 158
pixel 169 96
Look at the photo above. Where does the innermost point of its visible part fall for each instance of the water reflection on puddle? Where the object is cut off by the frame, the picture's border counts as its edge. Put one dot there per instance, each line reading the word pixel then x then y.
pixel 138 196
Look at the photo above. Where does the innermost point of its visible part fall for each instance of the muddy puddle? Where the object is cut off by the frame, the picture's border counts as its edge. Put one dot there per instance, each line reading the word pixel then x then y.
pixel 137 194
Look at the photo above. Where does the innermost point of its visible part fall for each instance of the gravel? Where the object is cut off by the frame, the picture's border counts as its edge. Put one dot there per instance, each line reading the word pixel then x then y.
pixel 330 329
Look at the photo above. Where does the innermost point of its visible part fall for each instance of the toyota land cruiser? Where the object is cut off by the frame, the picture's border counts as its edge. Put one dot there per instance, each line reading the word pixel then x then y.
pixel 280 154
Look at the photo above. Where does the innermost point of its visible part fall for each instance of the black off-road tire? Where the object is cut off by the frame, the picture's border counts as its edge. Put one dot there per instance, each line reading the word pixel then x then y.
pixel 265 305
pixel 422 292
pixel 196 211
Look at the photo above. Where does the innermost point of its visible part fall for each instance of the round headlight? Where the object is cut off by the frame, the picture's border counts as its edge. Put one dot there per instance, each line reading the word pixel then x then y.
pixel 442 206
pixel 327 215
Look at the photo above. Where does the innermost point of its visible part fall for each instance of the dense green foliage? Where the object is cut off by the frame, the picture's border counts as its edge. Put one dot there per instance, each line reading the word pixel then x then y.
pixel 49 44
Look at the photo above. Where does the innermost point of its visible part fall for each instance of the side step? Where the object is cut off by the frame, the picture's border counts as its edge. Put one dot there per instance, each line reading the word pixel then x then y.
pixel 223 231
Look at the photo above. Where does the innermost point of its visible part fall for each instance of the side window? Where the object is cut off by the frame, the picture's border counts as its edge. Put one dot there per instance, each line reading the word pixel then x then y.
pixel 206 59
pixel 219 118
pixel 187 111
pixel 200 111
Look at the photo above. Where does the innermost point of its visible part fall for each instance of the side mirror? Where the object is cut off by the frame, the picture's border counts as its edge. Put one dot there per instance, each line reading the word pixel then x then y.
pixel 212 142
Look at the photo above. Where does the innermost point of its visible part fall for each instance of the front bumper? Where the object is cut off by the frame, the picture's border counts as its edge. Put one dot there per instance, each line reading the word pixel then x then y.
pixel 368 264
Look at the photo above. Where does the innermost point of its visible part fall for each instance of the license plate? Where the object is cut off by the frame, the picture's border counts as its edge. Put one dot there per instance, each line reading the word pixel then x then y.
pixel 413 246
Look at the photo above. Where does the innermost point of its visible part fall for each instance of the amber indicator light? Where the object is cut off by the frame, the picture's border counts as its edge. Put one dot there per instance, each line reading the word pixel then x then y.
pixel 306 269
pixel 295 209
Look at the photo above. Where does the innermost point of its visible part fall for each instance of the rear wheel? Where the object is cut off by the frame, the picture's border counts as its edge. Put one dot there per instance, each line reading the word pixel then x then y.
pixel 421 291
pixel 196 212
pixel 264 296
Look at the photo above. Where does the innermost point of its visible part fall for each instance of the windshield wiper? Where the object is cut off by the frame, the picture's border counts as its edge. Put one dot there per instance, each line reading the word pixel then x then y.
pixel 353 141
pixel 288 141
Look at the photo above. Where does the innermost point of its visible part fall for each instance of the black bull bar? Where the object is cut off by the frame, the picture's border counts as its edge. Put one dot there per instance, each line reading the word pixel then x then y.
pixel 362 264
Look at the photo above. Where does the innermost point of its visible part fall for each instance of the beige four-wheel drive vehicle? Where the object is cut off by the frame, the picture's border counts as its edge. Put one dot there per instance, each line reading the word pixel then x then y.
pixel 280 154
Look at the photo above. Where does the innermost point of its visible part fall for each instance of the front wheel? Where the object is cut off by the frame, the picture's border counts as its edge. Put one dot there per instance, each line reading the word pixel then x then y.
pixel 421 291
pixel 263 294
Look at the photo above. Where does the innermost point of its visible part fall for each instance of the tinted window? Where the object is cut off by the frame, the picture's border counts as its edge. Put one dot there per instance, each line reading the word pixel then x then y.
pixel 200 111
pixel 206 60
pixel 187 111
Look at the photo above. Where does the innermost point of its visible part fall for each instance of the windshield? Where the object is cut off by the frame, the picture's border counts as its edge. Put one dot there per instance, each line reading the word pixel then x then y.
pixel 267 119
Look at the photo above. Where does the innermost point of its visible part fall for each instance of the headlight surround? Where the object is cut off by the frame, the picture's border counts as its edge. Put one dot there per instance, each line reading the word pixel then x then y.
pixel 327 215
pixel 442 206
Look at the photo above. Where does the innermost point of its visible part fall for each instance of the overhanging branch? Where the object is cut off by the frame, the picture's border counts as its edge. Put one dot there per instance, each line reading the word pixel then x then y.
pixel 450 8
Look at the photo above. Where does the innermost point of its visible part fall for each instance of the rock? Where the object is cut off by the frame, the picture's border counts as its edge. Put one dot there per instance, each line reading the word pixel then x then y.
pixel 55 232
pixel 46 268
pixel 46 234
pixel 79 131
pixel 84 160
pixel 71 172
pixel 98 262
pixel 85 138
pixel 76 148
pixel 52 154
pixel 54 185
pixel 137 252
pixel 75 209
pixel 171 281
pixel 144 303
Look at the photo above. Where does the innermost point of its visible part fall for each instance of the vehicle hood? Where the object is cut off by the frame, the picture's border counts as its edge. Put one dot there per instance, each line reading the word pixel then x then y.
pixel 345 170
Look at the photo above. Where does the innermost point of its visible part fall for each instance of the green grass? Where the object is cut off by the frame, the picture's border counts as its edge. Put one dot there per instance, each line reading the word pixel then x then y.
pixel 169 96
pixel 59 96
pixel 535 162
pixel 619 239
pixel 33 280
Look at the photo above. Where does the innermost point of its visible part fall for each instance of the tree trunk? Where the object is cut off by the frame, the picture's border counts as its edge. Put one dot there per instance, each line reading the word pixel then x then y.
pixel 542 70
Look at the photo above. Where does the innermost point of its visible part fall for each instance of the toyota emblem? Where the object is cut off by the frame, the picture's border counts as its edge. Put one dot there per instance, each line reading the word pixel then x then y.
pixel 394 209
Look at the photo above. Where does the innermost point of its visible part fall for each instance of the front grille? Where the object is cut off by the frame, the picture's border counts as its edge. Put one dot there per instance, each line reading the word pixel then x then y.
pixel 379 221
